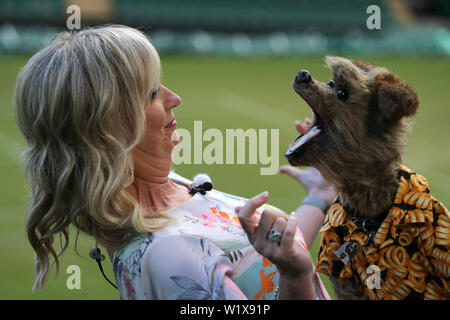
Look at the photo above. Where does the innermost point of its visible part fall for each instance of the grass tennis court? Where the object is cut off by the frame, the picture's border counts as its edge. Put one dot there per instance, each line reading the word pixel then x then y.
pixel 225 93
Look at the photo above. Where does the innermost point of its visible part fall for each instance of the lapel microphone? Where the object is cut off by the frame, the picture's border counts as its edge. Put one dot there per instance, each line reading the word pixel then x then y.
pixel 97 255
pixel 201 184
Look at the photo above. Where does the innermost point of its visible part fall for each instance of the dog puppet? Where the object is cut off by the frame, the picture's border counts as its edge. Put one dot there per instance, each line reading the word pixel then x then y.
pixel 386 236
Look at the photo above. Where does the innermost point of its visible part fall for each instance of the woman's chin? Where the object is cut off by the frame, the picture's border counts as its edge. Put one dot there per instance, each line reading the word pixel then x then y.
pixel 175 138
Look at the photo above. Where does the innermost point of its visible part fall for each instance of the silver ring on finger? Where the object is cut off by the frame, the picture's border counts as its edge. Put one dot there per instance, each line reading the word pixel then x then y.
pixel 274 236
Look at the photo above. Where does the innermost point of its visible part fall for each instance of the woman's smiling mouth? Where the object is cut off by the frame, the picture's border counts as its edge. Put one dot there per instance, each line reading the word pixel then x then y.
pixel 172 124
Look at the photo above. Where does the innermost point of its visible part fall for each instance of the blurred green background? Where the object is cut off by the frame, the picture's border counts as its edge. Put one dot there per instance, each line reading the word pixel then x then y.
pixel 226 88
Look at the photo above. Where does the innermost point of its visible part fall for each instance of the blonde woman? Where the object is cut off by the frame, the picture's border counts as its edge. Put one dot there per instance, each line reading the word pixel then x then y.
pixel 100 132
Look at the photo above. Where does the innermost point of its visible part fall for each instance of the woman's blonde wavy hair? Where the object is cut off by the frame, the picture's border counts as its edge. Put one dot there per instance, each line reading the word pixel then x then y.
pixel 80 104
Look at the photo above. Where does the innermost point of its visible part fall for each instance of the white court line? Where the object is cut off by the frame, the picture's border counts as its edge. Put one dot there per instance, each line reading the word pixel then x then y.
pixel 11 148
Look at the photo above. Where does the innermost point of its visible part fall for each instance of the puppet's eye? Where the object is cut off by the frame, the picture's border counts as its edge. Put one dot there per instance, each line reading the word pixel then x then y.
pixel 331 83
pixel 342 94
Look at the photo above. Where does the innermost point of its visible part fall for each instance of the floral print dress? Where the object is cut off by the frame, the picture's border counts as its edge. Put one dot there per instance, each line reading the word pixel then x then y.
pixel 205 256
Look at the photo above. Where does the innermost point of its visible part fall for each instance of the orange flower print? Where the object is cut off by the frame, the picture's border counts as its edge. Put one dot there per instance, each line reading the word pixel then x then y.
pixel 224 215
pixel 267 285
pixel 266 262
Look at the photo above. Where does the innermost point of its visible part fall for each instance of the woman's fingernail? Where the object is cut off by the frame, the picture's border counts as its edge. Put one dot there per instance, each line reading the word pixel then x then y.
pixel 263 194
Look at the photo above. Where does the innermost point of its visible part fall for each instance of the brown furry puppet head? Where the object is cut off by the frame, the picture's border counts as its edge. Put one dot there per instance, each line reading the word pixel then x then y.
pixel 358 134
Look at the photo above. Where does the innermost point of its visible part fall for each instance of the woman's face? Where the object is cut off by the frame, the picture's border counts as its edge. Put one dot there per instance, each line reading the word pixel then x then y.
pixel 160 137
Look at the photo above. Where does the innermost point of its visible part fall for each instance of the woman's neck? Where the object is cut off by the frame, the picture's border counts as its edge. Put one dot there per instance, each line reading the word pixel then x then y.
pixel 153 168
pixel 152 186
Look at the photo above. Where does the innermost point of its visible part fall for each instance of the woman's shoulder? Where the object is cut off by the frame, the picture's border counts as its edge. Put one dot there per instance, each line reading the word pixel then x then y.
pixel 131 254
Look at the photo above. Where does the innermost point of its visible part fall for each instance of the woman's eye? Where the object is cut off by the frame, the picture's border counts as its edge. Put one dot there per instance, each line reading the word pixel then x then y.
pixel 342 94
pixel 331 83
pixel 154 94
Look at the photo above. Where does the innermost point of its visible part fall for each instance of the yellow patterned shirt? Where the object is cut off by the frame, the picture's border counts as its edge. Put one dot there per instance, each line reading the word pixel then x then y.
pixel 409 252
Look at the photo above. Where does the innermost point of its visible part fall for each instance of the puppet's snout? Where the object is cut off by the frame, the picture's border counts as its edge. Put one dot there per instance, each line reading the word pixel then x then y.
pixel 302 77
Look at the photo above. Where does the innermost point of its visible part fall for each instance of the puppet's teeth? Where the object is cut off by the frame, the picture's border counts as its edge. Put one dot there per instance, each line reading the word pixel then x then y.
pixel 313 132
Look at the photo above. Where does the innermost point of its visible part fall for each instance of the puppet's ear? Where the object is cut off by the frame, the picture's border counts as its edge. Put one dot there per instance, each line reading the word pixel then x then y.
pixel 366 66
pixel 397 101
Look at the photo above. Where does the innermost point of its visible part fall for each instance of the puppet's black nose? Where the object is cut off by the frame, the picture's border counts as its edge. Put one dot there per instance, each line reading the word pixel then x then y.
pixel 303 77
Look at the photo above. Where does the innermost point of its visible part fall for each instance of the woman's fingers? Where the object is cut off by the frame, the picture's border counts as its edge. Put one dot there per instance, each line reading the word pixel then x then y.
pixel 245 214
pixel 270 219
pixel 279 225
pixel 279 247
pixel 288 235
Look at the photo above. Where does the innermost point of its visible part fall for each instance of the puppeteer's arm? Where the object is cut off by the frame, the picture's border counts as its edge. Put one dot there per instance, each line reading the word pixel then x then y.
pixel 310 217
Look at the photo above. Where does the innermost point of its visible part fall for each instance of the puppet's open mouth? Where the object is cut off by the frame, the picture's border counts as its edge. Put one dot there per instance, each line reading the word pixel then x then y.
pixel 314 131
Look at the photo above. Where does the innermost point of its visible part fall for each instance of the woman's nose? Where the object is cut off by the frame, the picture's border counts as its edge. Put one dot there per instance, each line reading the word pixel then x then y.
pixel 171 99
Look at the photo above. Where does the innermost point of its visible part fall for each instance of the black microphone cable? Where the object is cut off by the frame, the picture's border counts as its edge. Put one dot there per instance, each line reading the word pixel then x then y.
pixel 96 254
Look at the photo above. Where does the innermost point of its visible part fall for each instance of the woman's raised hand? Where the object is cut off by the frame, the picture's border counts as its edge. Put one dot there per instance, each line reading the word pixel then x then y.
pixel 291 260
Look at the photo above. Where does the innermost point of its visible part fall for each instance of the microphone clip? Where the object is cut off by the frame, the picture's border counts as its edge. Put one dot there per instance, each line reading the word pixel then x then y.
pixel 97 255
pixel 201 184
